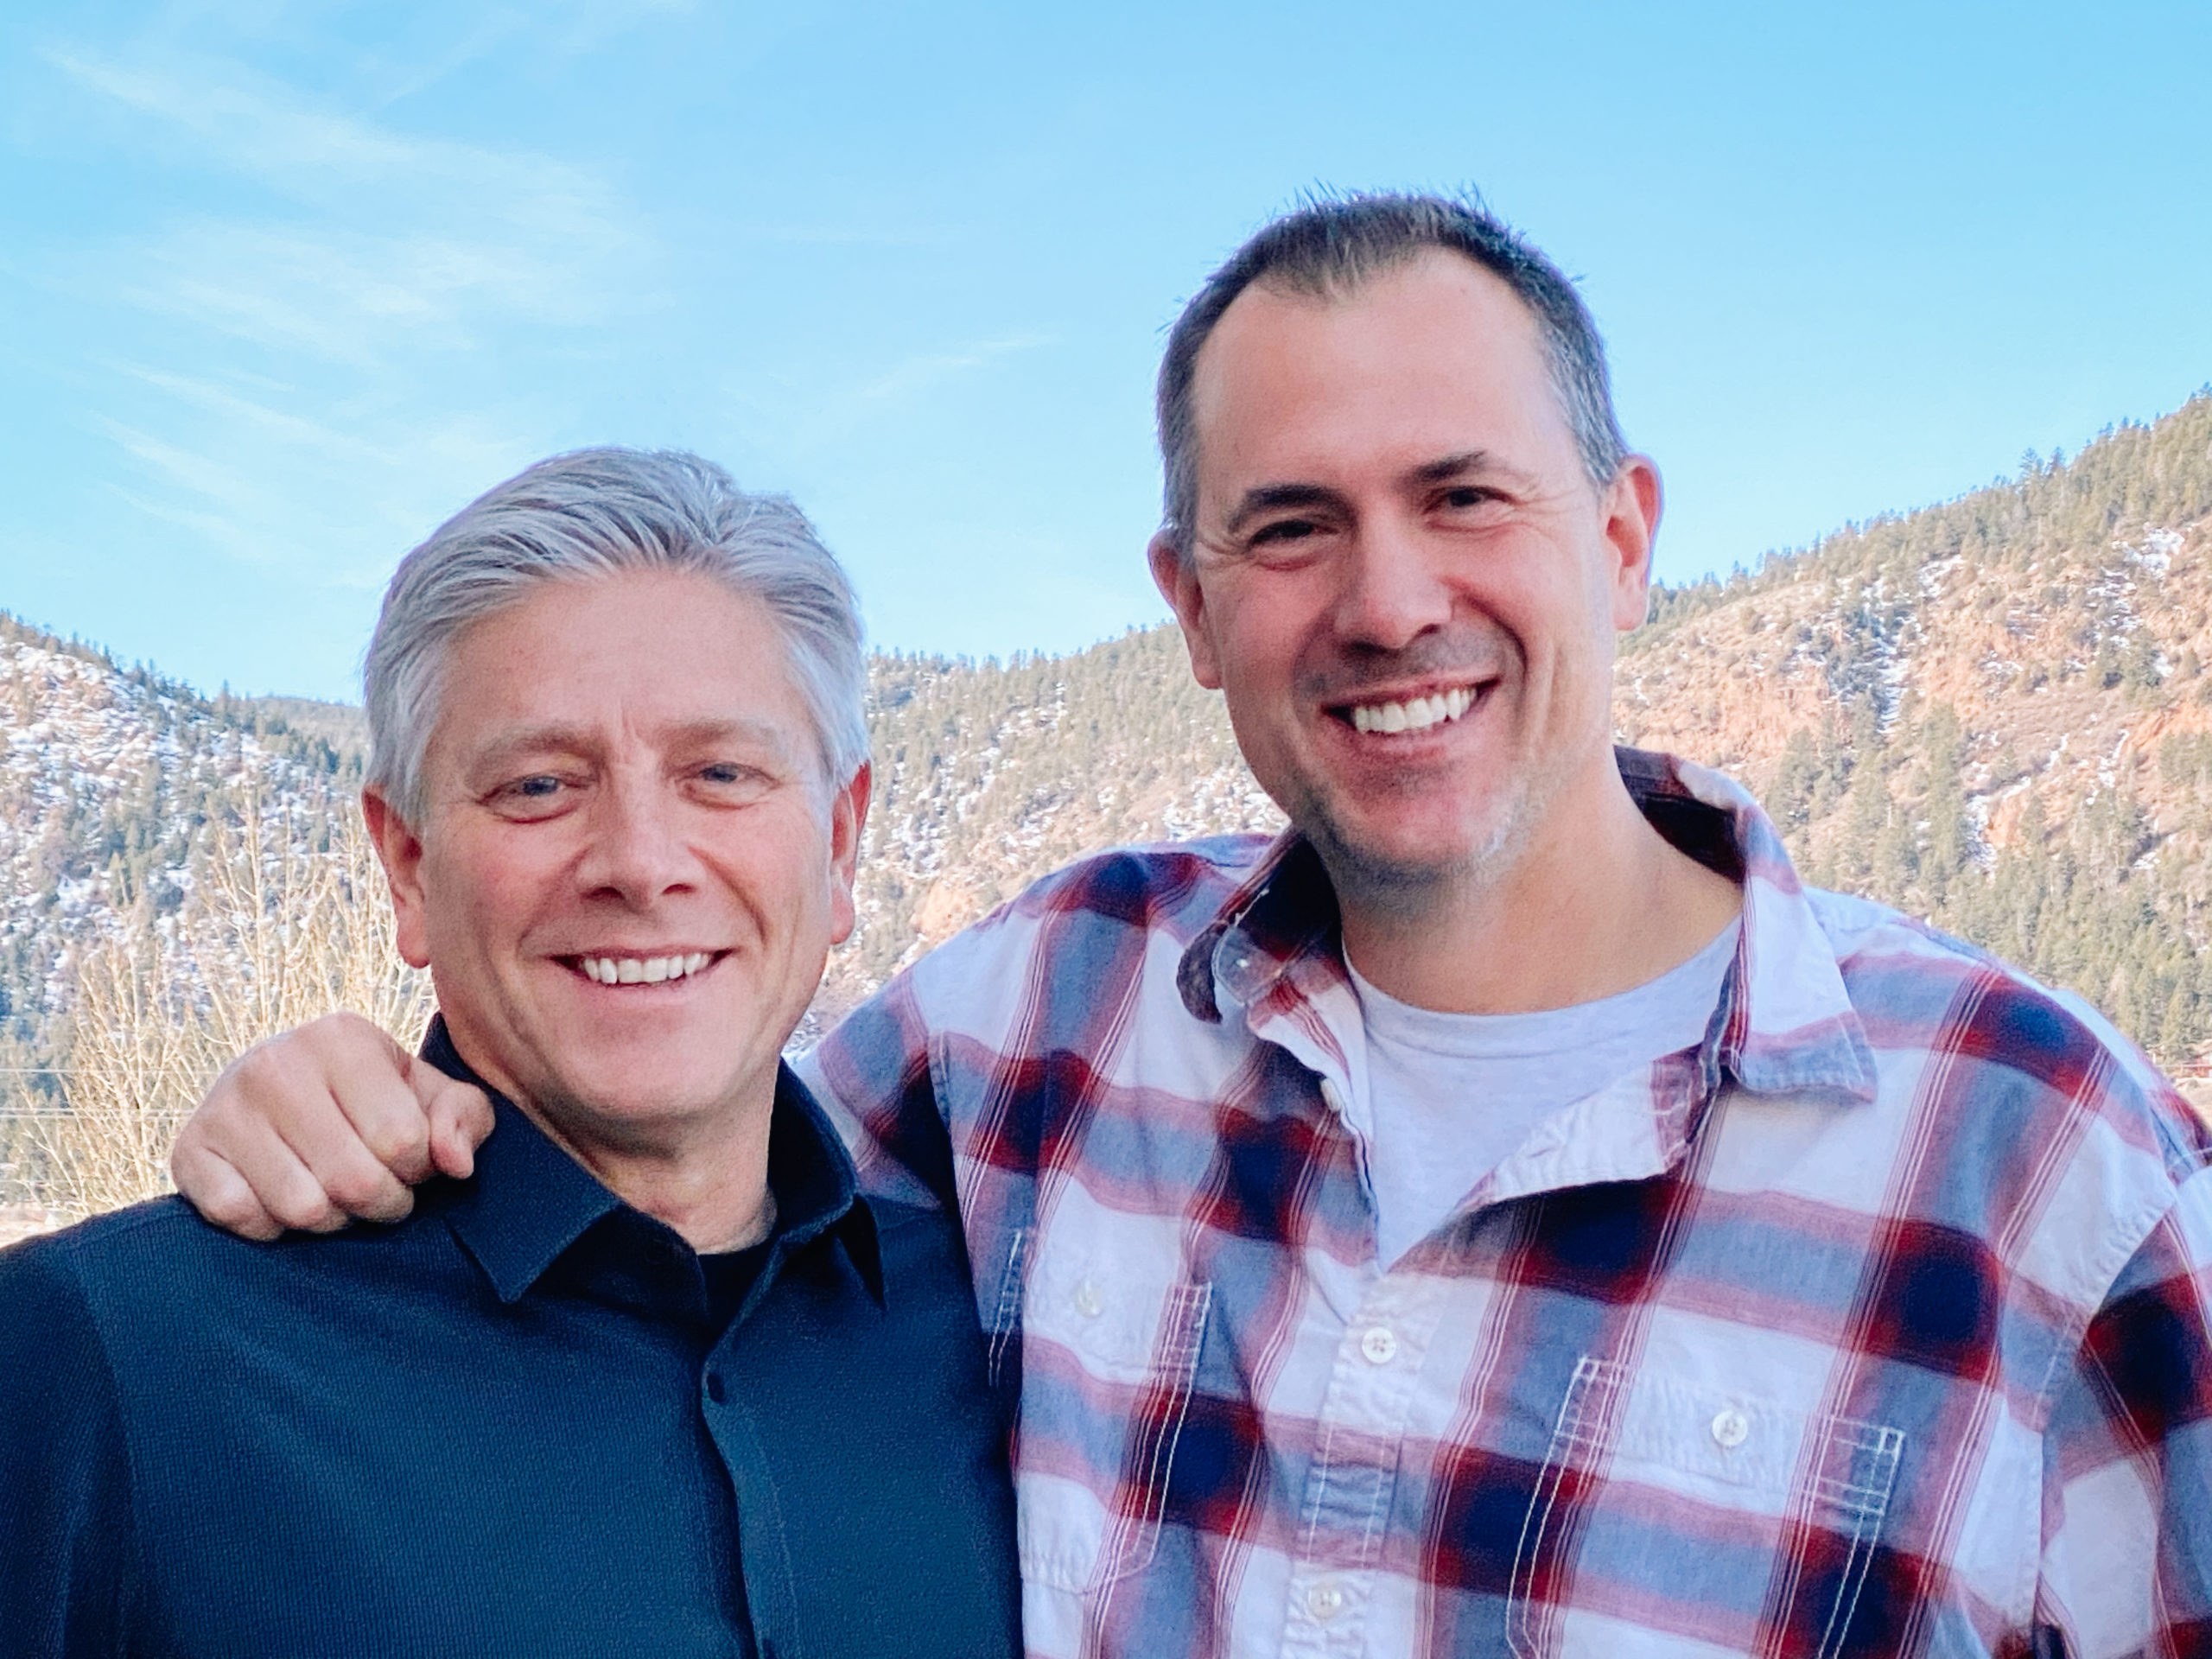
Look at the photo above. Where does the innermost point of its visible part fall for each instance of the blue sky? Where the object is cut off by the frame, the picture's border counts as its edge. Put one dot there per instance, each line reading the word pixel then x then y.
pixel 284 282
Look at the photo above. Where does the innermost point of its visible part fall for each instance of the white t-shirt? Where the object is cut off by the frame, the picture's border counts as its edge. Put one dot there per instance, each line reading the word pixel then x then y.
pixel 1447 1097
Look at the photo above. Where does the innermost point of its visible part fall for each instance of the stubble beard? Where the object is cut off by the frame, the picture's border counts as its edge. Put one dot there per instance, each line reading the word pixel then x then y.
pixel 1401 892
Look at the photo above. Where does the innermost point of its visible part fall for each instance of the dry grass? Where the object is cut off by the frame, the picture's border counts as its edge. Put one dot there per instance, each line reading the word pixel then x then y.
pixel 274 934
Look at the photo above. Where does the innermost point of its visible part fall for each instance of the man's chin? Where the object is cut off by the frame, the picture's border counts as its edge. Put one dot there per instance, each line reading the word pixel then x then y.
pixel 1398 866
pixel 634 1109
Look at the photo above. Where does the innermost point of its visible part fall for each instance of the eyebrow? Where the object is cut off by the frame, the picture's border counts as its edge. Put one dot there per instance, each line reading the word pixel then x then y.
pixel 1276 497
pixel 539 740
pixel 1450 466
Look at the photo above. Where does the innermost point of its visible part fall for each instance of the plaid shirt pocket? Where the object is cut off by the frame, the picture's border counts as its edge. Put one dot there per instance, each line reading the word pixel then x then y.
pixel 1109 1360
pixel 1679 1505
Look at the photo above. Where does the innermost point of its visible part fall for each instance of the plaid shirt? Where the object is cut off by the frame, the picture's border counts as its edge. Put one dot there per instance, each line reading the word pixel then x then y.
pixel 1876 1324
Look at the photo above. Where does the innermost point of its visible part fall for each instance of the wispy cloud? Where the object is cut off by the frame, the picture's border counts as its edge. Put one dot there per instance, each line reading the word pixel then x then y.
pixel 257 125
pixel 301 393
pixel 796 422
pixel 924 371
pixel 269 485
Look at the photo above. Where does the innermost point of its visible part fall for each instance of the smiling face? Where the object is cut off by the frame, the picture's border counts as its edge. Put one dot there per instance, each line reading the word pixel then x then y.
pixel 631 869
pixel 1401 575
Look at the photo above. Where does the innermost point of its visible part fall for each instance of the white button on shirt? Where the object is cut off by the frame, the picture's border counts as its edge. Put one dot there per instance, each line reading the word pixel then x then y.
pixel 1325 1599
pixel 1379 1345
pixel 1729 1429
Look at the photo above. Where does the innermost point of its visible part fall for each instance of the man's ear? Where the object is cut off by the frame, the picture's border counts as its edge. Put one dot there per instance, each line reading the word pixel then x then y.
pixel 848 816
pixel 1177 578
pixel 1631 504
pixel 400 850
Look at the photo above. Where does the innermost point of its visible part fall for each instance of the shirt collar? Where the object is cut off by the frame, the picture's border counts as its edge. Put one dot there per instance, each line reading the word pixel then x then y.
pixel 529 1201
pixel 1784 1024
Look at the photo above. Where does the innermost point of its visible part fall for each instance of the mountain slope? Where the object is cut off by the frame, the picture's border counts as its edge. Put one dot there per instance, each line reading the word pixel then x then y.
pixel 110 778
pixel 1995 712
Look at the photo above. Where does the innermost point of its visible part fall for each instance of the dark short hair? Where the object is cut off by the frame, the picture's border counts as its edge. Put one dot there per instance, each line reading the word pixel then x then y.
pixel 1329 247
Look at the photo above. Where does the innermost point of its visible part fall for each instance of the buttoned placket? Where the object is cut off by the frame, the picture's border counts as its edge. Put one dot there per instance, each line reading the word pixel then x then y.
pixel 763 1563
pixel 1362 1416
pixel 1350 1482
pixel 764 1560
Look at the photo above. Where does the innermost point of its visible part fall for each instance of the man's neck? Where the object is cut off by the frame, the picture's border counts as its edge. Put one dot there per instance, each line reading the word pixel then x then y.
pixel 704 1175
pixel 1596 903
pixel 714 1191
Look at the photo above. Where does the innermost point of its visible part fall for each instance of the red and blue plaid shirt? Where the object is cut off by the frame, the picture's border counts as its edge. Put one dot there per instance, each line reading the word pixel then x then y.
pixel 1876 1324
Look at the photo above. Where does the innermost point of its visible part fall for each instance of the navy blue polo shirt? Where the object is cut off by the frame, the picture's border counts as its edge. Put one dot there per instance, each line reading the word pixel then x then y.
pixel 510 1425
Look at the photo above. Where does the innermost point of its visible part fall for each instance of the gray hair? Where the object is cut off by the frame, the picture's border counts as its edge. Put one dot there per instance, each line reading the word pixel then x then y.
pixel 1332 245
pixel 596 513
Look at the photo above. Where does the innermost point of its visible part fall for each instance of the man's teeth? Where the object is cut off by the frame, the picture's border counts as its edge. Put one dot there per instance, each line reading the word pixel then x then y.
pixel 1416 714
pixel 643 970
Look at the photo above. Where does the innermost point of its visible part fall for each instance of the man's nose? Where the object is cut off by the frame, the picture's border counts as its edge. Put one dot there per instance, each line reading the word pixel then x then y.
pixel 1392 591
pixel 637 850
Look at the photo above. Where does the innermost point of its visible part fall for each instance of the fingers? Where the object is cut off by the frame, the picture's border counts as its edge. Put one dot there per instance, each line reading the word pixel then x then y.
pixel 332 1095
pixel 314 1124
pixel 461 1119
pixel 220 1194
pixel 369 1077
pixel 227 1140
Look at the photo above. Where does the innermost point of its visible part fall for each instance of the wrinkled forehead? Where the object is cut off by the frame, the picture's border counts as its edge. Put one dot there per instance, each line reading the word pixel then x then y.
pixel 623 662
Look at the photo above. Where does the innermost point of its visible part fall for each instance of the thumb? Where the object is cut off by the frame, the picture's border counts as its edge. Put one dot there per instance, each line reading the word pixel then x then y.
pixel 461 1119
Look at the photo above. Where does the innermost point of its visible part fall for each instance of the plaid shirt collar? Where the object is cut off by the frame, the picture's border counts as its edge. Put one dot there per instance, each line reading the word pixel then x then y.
pixel 1785 1024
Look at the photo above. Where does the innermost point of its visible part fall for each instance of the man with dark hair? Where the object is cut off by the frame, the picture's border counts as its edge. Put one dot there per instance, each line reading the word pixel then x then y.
pixel 1509 1212
pixel 656 1379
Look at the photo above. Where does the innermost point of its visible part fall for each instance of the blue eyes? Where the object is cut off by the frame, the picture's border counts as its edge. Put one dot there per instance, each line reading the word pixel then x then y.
pixel 723 779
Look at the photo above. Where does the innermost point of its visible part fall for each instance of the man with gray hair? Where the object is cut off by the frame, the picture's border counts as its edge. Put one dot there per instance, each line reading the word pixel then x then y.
pixel 654 1378
pixel 1509 1213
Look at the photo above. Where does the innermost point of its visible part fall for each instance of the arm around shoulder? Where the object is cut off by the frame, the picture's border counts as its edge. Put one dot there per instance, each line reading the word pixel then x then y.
pixel 69 1580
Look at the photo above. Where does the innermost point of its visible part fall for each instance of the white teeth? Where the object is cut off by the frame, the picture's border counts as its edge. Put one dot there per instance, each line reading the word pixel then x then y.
pixel 1418 713
pixel 1412 715
pixel 642 970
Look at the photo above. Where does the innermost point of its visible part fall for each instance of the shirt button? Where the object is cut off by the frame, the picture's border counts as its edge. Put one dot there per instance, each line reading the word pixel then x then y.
pixel 1325 1599
pixel 1088 1300
pixel 1332 1096
pixel 1729 1429
pixel 1379 1343
pixel 715 1392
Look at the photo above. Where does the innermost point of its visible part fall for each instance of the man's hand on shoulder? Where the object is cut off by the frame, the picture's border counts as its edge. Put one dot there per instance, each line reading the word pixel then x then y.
pixel 329 1123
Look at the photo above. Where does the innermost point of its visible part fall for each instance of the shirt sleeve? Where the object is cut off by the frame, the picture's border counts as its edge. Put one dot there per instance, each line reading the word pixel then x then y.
pixel 65 1532
pixel 873 1075
pixel 2127 1474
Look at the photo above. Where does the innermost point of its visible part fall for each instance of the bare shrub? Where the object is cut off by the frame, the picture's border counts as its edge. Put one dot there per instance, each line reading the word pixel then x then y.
pixel 278 929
